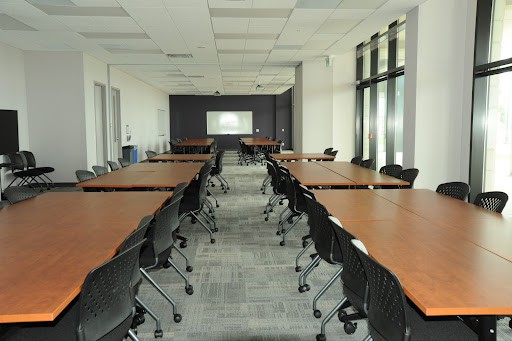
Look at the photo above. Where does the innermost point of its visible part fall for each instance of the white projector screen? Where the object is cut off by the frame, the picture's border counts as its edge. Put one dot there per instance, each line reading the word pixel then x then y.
pixel 228 122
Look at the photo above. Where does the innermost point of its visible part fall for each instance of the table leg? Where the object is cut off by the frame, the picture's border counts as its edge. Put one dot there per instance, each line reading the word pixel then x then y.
pixel 487 328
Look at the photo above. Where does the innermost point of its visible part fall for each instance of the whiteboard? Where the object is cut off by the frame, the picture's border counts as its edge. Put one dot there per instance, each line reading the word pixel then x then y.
pixel 228 122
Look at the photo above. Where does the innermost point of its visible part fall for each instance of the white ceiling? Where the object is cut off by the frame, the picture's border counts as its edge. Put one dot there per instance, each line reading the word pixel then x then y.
pixel 232 45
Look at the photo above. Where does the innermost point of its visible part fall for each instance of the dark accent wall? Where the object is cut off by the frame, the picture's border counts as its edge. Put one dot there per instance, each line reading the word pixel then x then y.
pixel 270 114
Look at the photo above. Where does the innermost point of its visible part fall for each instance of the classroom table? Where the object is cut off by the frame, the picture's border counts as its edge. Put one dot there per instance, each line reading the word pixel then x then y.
pixel 180 157
pixel 446 269
pixel 360 175
pixel 312 174
pixel 259 141
pixel 146 175
pixel 49 243
pixel 196 144
pixel 302 156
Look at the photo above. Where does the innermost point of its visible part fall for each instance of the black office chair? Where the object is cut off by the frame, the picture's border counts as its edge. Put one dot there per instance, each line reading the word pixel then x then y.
pixel 355 284
pixel 278 184
pixel 150 153
pixel 368 163
pixel 391 317
pixel 333 153
pixel 84 175
pixel 493 201
pixel 457 190
pixel 124 162
pixel 296 205
pixel 409 175
pixel 217 170
pixel 327 151
pixel 16 194
pixel 393 170
pixel 99 170
pixel 31 164
pixel 113 165
pixel 20 172
pixel 157 249
pixel 103 311
pixel 356 160
pixel 194 199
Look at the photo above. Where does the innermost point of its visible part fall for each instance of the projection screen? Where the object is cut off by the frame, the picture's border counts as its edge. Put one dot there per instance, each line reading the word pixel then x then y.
pixel 228 122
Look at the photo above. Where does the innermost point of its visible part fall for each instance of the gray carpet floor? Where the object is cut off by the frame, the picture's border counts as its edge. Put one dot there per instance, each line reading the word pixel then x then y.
pixel 246 288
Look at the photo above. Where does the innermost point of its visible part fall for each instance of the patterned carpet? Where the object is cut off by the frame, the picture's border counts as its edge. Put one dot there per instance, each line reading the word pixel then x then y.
pixel 245 284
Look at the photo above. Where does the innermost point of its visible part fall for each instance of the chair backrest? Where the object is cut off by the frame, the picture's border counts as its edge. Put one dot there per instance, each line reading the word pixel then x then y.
pixel 409 175
pixel 84 175
pixel 391 170
pixel 218 160
pixel 353 277
pixel 322 233
pixel 16 194
pixel 150 153
pixel 160 234
pixel 203 179
pixel 124 162
pixel 291 194
pixel 29 157
pixel 493 201
pixel 105 300
pixel 179 189
pixel 387 317
pixel 333 153
pixel 133 239
pixel 456 189
pixel 368 163
pixel 99 170
pixel 17 162
pixel 328 151
pixel 113 165
pixel 356 160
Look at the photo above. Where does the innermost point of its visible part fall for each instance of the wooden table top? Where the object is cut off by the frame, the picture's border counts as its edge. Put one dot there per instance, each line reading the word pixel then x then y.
pixel 440 272
pixel 360 175
pixel 199 142
pixel 302 156
pixel 46 254
pixel 478 225
pixel 146 175
pixel 358 205
pixel 181 157
pixel 312 174
pixel 259 141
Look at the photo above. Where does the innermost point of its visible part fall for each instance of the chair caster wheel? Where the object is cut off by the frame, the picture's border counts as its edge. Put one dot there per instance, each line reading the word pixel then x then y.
pixel 139 319
pixel 302 288
pixel 183 245
pixel 341 313
pixel 189 268
pixel 307 286
pixel 317 313
pixel 298 268
pixel 212 184
pixel 290 221
pixel 283 231
pixel 280 203
pixel 189 290
pixel 159 333
pixel 217 205
pixel 224 192
pixel 349 327
pixel 282 243
pixel 167 264
pixel 229 189
pixel 278 233
pixel 216 229
pixel 177 318
pixel 266 218
pixel 321 337
pixel 304 243
pixel 193 221
pixel 271 210
pixel 212 241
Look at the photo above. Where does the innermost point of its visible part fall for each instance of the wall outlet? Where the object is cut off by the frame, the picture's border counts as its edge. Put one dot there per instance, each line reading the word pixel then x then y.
pixel 257 130
pixel 282 129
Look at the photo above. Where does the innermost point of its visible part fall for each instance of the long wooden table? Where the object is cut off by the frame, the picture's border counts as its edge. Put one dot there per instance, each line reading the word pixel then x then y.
pixel 146 175
pixel 196 144
pixel 302 156
pixel 444 267
pixel 180 157
pixel 360 175
pixel 313 174
pixel 259 141
pixel 49 243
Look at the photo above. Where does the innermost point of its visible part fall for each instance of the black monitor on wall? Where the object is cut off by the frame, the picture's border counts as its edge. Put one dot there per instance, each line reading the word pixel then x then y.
pixel 9 141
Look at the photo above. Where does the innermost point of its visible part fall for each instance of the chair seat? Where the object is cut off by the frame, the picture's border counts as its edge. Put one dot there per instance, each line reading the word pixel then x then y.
pixel 45 169
pixel 28 172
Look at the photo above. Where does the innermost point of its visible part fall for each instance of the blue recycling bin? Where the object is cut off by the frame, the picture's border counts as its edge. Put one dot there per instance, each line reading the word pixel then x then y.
pixel 130 152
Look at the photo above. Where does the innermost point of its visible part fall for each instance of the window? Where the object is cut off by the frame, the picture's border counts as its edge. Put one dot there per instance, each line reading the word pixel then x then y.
pixel 380 109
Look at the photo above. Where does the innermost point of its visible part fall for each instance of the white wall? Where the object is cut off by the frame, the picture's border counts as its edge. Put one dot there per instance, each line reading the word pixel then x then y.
pixel 344 105
pixel 139 110
pixel 56 116
pixel 13 94
pixel 438 90
pixel 95 71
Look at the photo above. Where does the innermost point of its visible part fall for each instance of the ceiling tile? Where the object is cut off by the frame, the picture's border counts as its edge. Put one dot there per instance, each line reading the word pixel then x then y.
pixel 244 51
pixel 230 3
pixel 361 4
pixel 351 13
pixel 113 35
pixel 8 23
pixel 245 36
pixel 83 11
pixel 274 3
pixel 250 12
pixel 317 45
pixel 230 25
pixel 260 44
pixel 318 4
pixel 230 44
pixel 338 26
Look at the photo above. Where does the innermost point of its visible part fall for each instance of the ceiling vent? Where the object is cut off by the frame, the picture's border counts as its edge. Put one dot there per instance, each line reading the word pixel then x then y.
pixel 179 55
